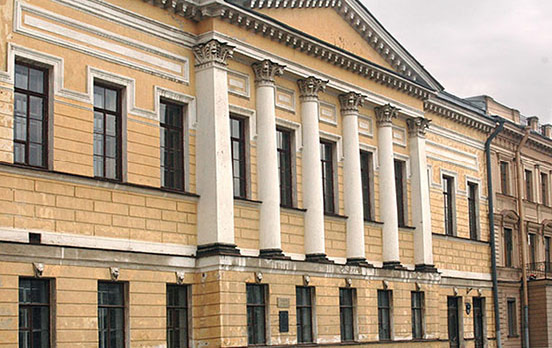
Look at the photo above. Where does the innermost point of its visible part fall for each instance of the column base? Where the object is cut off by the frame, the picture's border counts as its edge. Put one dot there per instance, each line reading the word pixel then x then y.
pixel 275 254
pixel 359 261
pixel 426 268
pixel 320 258
pixel 217 249
pixel 396 265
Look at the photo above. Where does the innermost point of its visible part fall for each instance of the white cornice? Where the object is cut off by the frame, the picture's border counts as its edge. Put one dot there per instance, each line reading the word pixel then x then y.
pixel 367 27
pixel 456 114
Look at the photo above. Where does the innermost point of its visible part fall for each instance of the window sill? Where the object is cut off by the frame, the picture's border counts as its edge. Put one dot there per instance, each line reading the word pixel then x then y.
pixel 513 336
pixel 285 207
pixel 373 222
pixel 334 215
pixel 407 227
pixel 247 201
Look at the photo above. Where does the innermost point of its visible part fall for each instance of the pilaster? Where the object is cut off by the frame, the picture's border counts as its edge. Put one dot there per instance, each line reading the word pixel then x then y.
pixel 421 208
pixel 313 199
pixel 267 159
pixel 214 185
pixel 388 196
pixel 356 253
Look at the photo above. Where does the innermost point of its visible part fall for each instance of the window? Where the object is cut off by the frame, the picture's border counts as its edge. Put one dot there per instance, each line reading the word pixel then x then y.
pixel 508 247
pixel 384 314
pixel 366 175
pixel 346 314
pixel 304 313
pixel 256 314
pixel 504 178
pixel 237 139
pixel 473 193
pixel 30 116
pixel 417 304
pixel 172 146
pixel 400 191
pixel 544 189
pixel 177 316
pixel 34 313
pixel 512 317
pixel 326 157
pixel 448 202
pixel 283 143
pixel 532 249
pixel 111 315
pixel 107 132
pixel 529 185
pixel 547 265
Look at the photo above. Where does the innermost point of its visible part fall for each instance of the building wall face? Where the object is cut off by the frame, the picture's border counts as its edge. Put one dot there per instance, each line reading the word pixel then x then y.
pixel 89 225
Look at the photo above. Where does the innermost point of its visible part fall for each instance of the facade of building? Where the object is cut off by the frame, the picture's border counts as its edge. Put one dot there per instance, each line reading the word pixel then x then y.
pixel 225 174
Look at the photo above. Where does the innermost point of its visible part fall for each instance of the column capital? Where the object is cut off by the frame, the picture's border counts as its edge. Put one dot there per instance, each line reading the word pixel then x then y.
pixel 385 114
pixel 417 126
pixel 310 87
pixel 266 71
pixel 350 102
pixel 212 52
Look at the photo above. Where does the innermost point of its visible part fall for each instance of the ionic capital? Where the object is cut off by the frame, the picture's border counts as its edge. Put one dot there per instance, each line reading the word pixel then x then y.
pixel 310 87
pixel 385 115
pixel 266 71
pixel 417 126
pixel 212 52
pixel 350 102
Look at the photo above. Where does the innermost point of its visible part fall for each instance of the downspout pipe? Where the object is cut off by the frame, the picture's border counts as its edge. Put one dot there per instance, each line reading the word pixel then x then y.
pixel 523 236
pixel 490 194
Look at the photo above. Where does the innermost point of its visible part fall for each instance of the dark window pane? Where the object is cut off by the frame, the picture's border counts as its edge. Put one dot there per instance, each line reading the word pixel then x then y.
pixel 238 155
pixel 107 135
pixel 346 314
pixel 177 316
pixel 20 107
pixel 400 191
pixel 34 313
pixel 36 107
pixel 35 131
pixel 366 174
pixel 384 314
pixel 111 312
pixel 21 76
pixel 36 80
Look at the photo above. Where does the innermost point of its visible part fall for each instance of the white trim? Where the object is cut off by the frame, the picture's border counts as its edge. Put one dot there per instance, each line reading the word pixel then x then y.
pixel 323 118
pixel 449 273
pixel 439 152
pixel 296 127
pixel 189 100
pixel 368 119
pixel 282 106
pixel 180 74
pixel 406 160
pixel 250 114
pixel 338 143
pixel 374 151
pixel 398 141
pixel 245 77
pixel 457 137
pixel 77 240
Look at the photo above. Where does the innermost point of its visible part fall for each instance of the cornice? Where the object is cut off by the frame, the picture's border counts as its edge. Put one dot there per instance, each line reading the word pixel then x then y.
pixel 302 42
pixel 460 116
pixel 368 28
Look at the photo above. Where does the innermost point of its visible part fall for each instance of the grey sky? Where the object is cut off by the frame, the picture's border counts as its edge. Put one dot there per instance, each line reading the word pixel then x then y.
pixel 502 48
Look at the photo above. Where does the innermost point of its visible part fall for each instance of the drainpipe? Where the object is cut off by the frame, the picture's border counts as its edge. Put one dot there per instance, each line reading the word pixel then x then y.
pixel 490 194
pixel 523 236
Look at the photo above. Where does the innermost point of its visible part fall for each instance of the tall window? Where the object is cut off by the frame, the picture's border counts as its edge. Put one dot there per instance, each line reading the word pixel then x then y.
pixel 532 248
pixel 448 202
pixel 30 115
pixel 366 175
pixel 346 314
pixel 384 314
pixel 473 192
pixel 256 313
pixel 547 265
pixel 400 191
pixel 283 142
pixel 177 316
pixel 508 247
pixel 107 132
pixel 544 189
pixel 111 315
pixel 504 178
pixel 326 157
pixel 304 313
pixel 417 305
pixel 34 313
pixel 237 130
pixel 512 317
pixel 529 185
pixel 172 146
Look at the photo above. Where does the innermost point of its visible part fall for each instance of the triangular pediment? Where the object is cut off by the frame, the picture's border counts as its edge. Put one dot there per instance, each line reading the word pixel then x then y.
pixel 348 25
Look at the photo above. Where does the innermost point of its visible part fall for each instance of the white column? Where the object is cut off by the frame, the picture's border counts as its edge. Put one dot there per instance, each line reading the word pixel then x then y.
pixel 215 226
pixel 421 208
pixel 313 199
pixel 387 190
pixel 270 241
pixel 352 180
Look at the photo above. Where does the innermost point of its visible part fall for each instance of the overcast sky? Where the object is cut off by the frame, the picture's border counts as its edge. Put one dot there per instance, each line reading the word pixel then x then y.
pixel 502 48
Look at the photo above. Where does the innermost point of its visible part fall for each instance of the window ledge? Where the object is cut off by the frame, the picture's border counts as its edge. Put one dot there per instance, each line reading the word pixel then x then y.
pixel 373 222
pixel 294 209
pixel 333 215
pixel 405 227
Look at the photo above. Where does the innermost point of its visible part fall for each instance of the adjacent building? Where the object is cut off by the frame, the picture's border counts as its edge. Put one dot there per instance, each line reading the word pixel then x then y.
pixel 229 173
